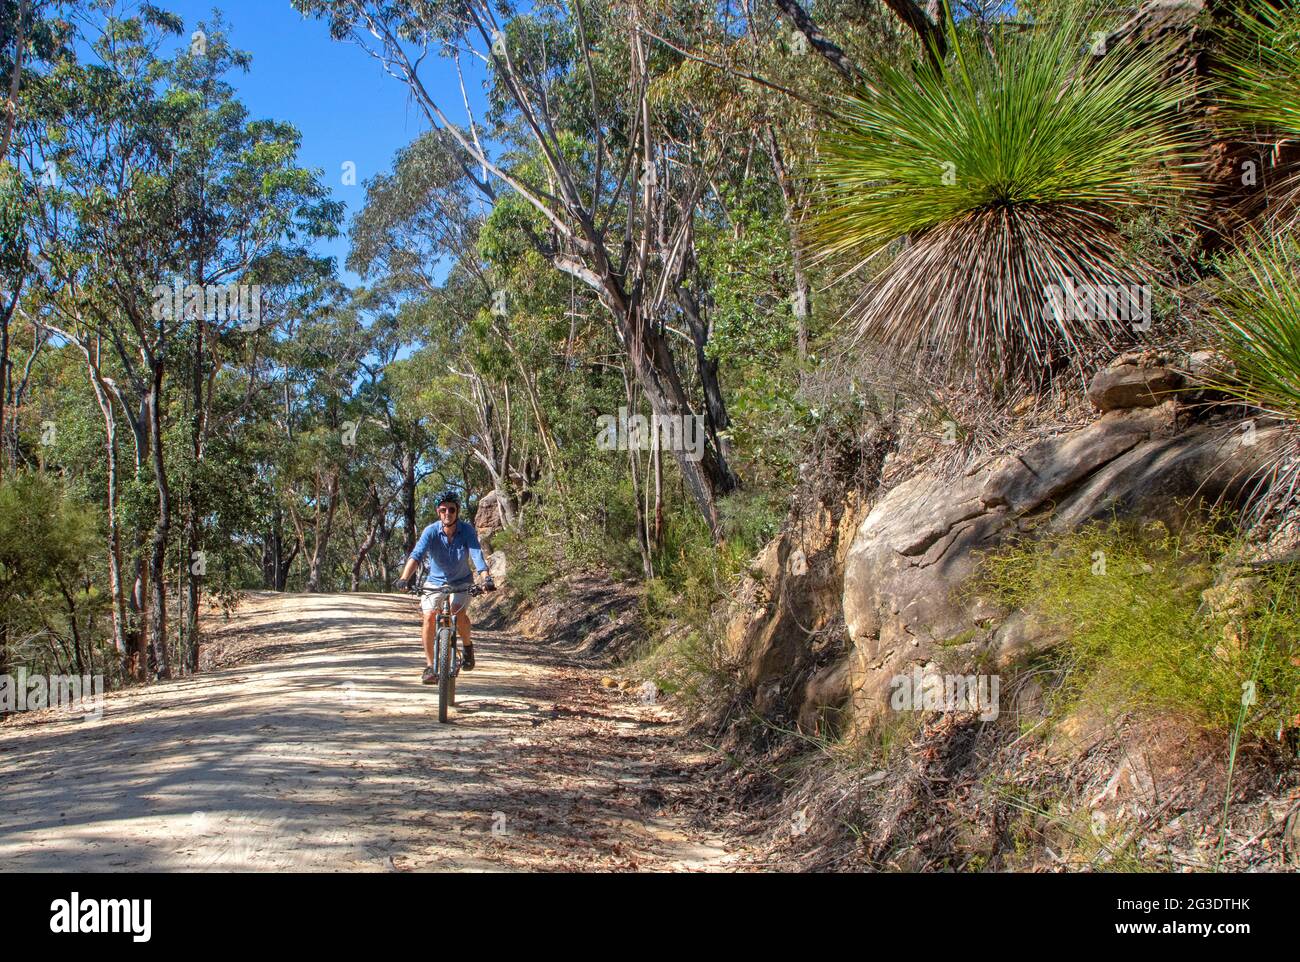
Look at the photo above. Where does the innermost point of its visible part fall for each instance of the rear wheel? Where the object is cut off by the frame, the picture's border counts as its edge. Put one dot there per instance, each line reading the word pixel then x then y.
pixel 446 682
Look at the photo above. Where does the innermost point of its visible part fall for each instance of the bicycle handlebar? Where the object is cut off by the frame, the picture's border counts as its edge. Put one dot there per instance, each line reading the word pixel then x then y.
pixel 473 589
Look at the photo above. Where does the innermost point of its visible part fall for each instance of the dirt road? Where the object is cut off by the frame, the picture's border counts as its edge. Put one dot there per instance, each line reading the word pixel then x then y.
pixel 325 754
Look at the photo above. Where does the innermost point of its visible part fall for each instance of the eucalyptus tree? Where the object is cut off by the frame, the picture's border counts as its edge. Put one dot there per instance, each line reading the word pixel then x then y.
pixel 167 210
pixel 417 238
pixel 33 38
pixel 248 216
pixel 610 193
pixel 103 235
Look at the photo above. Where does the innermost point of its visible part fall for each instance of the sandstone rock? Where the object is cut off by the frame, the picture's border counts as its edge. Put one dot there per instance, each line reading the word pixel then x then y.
pixel 825 695
pixel 906 596
pixel 794 590
pixel 787 609
pixel 1134 380
pixel 1203 365
pixel 488 518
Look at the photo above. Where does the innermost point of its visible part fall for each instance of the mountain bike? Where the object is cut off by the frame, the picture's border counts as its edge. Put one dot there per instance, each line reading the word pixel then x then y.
pixel 446 645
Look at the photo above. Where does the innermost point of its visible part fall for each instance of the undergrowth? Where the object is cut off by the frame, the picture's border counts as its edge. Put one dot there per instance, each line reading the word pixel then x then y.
pixel 1162 621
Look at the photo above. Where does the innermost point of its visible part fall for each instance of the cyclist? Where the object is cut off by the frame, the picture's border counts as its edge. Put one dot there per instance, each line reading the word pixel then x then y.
pixel 447 547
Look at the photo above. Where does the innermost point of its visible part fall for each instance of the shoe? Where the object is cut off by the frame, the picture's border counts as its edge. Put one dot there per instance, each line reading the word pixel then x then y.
pixel 430 675
pixel 467 661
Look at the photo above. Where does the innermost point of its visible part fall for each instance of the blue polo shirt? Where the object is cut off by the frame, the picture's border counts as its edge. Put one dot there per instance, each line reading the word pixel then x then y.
pixel 448 558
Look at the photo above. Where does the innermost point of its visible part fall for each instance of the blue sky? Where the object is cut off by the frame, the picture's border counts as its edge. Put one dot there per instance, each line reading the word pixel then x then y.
pixel 347 108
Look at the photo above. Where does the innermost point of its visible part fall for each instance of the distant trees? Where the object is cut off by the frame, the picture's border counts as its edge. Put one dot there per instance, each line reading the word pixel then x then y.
pixel 146 196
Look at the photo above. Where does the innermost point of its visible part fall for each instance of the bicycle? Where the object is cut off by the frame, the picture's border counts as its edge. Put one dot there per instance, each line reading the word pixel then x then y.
pixel 446 647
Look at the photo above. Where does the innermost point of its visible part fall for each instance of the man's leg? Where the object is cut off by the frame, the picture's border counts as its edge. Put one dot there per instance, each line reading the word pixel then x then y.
pixel 429 635
pixel 462 628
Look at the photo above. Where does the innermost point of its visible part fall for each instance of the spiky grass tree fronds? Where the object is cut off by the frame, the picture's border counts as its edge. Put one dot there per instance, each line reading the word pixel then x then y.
pixel 1258 321
pixel 1003 178
pixel 1260 73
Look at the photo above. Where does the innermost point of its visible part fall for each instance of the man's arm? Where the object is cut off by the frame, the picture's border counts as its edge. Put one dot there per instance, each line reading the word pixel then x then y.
pixel 476 555
pixel 413 561
pixel 407 572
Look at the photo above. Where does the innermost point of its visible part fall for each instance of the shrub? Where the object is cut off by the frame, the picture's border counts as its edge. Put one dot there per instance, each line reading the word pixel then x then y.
pixel 1137 633
pixel 1258 324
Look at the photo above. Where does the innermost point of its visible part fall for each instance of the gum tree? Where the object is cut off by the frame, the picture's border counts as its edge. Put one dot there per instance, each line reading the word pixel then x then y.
pixel 616 213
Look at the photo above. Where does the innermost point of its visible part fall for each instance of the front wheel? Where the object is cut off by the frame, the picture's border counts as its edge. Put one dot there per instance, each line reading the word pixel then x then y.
pixel 446 680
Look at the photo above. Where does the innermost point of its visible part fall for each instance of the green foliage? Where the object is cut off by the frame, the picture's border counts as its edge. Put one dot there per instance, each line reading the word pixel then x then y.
pixel 748 261
pixel 49 545
pixel 1006 173
pixel 1139 631
pixel 1260 67
pixel 684 665
pixel 1259 326
pixel 43 534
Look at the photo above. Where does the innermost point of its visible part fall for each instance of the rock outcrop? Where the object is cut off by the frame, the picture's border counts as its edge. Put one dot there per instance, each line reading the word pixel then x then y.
pixel 1134 380
pixel 488 518
pixel 784 624
pixel 920 546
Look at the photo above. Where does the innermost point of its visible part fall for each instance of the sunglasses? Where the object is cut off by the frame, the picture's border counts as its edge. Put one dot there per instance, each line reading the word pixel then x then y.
pixel 448 510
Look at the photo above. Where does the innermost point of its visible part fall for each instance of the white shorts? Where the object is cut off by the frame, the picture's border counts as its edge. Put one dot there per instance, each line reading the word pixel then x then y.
pixel 429 603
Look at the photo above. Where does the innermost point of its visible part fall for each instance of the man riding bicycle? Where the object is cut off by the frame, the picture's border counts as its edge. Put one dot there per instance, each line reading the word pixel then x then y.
pixel 447 548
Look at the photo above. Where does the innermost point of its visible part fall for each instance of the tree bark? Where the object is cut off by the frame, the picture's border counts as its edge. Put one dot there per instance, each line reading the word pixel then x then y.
pixel 408 500
pixel 11 99
pixel 324 528
pixel 158 556
pixel 6 315
pixel 820 43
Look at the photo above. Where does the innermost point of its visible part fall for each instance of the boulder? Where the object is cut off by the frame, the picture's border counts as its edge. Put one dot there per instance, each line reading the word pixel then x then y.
pixel 906 597
pixel 488 518
pixel 782 627
pixel 1134 380
pixel 825 695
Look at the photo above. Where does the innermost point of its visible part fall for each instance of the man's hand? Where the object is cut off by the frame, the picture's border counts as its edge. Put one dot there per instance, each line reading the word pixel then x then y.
pixel 403 583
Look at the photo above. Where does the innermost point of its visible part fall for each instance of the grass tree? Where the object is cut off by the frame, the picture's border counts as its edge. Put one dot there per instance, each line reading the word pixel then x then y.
pixel 1258 321
pixel 994 186
pixel 1260 70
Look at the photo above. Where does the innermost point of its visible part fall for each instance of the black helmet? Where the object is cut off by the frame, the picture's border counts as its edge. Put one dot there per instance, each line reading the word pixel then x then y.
pixel 449 497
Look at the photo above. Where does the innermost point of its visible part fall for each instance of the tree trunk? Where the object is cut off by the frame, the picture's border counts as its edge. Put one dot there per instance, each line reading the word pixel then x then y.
pixel 709 476
pixel 6 315
pixel 114 530
pixel 408 500
pixel 283 564
pixel 158 556
pixel 371 537
pixel 790 214
pixel 192 536
pixel 642 522
pixel 323 530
